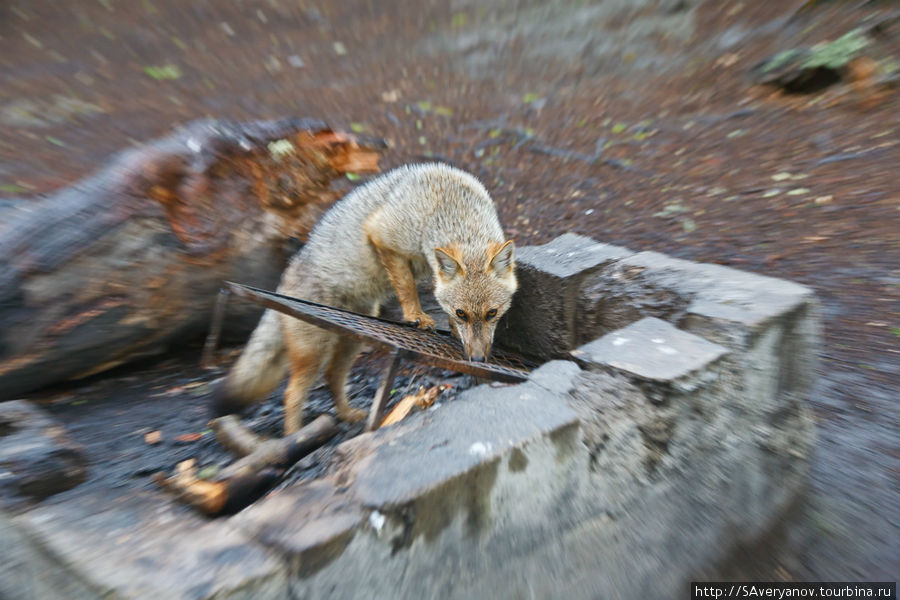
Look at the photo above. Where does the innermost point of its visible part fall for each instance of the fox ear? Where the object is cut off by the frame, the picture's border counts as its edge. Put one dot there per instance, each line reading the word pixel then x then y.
pixel 448 261
pixel 501 257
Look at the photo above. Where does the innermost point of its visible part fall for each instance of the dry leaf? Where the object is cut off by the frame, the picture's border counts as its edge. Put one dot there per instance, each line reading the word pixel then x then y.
pixel 188 437
pixel 153 437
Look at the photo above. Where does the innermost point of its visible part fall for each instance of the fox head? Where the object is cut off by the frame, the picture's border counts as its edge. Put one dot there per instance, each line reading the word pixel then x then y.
pixel 475 289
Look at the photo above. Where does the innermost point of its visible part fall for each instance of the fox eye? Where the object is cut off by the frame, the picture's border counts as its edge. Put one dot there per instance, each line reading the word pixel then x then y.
pixel 462 314
pixel 490 314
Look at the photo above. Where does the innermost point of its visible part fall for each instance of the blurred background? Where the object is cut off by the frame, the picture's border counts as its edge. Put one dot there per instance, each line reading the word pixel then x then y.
pixel 760 135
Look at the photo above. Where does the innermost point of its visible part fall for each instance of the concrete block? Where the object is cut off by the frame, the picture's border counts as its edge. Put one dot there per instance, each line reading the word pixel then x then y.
pixel 309 524
pixel 37 459
pixel 136 545
pixel 620 294
pixel 451 492
pixel 651 350
pixel 542 321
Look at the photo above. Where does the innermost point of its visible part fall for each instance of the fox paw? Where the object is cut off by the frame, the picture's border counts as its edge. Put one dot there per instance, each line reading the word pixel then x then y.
pixel 352 415
pixel 422 321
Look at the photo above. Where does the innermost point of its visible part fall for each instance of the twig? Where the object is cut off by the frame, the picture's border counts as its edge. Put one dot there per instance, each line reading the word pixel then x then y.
pixel 244 481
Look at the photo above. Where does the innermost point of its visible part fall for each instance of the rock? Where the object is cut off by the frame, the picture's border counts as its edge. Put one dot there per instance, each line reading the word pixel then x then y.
pixel 811 69
pixel 37 459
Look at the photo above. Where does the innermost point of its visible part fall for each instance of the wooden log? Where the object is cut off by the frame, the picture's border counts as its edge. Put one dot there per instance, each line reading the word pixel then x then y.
pixel 244 481
pixel 128 261
pixel 236 438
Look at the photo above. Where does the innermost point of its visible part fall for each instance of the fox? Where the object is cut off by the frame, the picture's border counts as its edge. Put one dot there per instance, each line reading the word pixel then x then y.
pixel 410 225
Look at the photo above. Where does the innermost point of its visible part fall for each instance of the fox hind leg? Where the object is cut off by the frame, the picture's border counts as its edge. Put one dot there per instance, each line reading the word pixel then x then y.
pixel 345 352
pixel 304 370
pixel 306 347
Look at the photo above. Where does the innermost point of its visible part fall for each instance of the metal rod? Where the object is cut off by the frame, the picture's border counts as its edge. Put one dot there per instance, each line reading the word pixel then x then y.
pixel 384 391
pixel 215 329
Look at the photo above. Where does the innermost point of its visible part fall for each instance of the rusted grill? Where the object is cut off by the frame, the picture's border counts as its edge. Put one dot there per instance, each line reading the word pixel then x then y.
pixel 437 348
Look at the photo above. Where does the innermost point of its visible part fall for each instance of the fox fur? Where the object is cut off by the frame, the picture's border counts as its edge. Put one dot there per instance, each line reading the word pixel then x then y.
pixel 412 224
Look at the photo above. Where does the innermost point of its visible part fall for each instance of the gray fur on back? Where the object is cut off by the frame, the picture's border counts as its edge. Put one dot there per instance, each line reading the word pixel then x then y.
pixel 419 208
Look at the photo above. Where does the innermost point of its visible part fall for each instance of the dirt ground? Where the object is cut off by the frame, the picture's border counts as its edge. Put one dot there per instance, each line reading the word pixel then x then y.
pixel 636 122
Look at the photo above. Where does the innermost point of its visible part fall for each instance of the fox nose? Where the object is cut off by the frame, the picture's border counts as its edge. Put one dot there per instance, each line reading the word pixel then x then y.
pixel 477 359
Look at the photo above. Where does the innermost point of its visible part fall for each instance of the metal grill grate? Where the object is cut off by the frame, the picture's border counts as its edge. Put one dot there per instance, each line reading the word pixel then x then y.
pixel 438 348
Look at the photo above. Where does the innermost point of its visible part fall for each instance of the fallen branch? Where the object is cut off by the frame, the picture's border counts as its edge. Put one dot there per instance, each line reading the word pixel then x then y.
pixel 128 261
pixel 245 480
pixel 236 438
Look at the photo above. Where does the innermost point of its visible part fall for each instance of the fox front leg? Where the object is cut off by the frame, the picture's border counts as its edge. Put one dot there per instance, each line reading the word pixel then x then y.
pixel 404 283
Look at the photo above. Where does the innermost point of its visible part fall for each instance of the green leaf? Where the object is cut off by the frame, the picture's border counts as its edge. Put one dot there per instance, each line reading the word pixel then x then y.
pixel 530 97
pixel 357 127
pixel 619 127
pixel 208 472
pixel 164 72
pixel 353 176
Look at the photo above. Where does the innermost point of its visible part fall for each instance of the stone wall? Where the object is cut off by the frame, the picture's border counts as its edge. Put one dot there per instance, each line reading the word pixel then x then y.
pixel 670 428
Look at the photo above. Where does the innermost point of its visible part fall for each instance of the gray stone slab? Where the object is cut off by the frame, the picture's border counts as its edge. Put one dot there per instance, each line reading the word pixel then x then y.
pixel 557 376
pixel 397 465
pixel 542 321
pixel 651 349
pixel 570 254
pixel 139 545
pixel 37 459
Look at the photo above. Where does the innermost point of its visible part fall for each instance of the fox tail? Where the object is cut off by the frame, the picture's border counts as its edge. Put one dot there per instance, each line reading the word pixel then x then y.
pixel 260 368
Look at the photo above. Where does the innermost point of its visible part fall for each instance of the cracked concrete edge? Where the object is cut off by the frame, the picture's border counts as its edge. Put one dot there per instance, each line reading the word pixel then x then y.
pixel 135 545
pixel 602 288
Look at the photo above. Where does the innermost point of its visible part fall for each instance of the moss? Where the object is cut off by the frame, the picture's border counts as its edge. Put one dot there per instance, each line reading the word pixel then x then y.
pixel 838 53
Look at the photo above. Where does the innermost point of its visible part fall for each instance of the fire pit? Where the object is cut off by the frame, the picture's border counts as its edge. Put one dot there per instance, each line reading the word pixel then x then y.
pixel 673 431
pixel 436 348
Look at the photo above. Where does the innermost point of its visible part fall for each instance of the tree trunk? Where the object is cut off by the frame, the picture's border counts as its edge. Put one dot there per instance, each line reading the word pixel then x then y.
pixel 128 261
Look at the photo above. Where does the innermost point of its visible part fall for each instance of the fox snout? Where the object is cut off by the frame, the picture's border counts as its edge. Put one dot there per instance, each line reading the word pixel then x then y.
pixel 476 340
